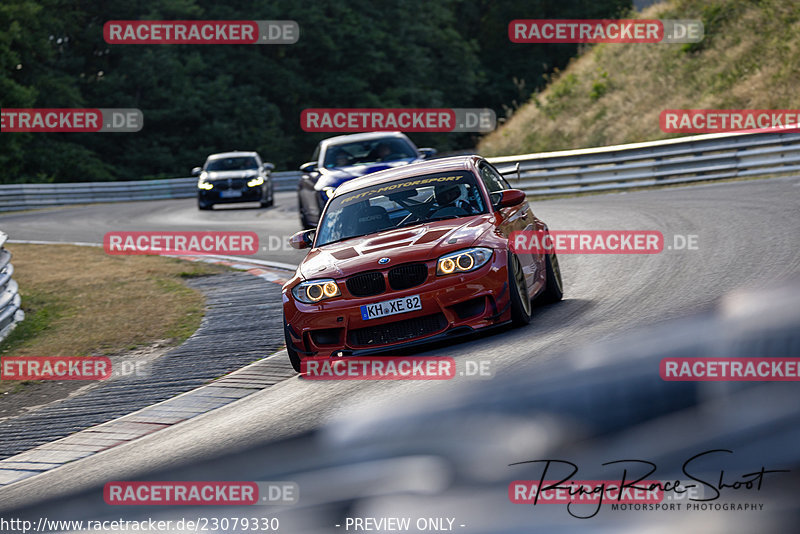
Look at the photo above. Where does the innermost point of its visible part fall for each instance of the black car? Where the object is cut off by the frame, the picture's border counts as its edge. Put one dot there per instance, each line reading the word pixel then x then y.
pixel 342 158
pixel 234 177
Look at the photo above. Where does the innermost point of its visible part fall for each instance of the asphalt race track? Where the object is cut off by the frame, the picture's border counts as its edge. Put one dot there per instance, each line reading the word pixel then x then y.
pixel 747 238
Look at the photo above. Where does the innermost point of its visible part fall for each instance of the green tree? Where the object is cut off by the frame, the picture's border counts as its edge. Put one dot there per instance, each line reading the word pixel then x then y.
pixel 208 98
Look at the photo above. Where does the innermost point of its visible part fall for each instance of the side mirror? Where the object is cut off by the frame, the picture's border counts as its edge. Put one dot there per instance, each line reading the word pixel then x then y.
pixel 268 166
pixel 309 167
pixel 302 239
pixel 509 198
pixel 427 153
pixel 196 171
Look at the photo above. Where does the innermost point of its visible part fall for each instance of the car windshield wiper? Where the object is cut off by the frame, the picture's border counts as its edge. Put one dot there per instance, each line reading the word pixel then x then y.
pixel 410 223
pixel 355 236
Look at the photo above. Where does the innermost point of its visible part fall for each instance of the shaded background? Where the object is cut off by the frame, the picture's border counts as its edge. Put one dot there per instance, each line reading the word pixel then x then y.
pixel 210 98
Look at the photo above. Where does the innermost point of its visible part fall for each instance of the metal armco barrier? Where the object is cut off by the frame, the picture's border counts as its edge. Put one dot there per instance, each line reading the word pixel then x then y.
pixel 10 311
pixel 29 196
pixel 671 161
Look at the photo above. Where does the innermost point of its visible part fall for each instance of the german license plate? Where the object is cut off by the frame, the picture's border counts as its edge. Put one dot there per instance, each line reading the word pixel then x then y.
pixel 230 193
pixel 391 307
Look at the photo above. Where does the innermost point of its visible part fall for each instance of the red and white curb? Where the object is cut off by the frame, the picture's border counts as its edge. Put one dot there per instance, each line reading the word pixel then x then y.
pixel 257 376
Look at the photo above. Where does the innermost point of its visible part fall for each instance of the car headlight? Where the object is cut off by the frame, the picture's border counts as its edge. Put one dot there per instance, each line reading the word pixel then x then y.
pixel 255 182
pixel 314 291
pixel 328 192
pixel 463 261
pixel 202 184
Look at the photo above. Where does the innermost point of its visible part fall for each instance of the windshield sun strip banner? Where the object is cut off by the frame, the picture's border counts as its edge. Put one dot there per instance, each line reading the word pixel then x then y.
pixel 407 184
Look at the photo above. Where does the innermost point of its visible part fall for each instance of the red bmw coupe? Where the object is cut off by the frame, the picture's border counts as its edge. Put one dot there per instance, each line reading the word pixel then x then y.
pixel 413 255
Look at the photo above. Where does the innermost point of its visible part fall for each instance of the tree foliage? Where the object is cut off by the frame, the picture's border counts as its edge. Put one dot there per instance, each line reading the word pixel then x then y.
pixel 208 98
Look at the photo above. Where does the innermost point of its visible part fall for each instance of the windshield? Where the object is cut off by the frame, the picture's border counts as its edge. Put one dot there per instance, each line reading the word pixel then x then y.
pixel 406 202
pixel 232 164
pixel 364 152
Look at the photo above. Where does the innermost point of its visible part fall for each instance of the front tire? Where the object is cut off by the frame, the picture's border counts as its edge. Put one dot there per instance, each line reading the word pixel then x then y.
pixel 201 205
pixel 270 201
pixel 521 308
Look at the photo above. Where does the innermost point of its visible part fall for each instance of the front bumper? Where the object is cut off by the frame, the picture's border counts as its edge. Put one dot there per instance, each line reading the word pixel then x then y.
pixel 248 194
pixel 452 305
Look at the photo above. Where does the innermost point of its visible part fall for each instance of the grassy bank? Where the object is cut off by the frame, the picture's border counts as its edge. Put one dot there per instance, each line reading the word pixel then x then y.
pixel 80 301
pixel 613 93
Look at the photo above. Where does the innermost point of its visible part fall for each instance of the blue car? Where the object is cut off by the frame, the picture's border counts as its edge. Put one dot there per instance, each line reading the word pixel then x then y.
pixel 342 158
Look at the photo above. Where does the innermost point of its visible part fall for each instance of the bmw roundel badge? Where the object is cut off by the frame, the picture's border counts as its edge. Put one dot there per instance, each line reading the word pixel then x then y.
pixel 384 261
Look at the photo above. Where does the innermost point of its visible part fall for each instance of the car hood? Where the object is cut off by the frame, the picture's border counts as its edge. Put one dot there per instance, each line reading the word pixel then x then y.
pixel 403 245
pixel 224 175
pixel 338 175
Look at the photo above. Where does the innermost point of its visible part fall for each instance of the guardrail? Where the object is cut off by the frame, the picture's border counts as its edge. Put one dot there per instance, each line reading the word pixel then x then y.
pixel 671 161
pixel 608 168
pixel 29 196
pixel 10 303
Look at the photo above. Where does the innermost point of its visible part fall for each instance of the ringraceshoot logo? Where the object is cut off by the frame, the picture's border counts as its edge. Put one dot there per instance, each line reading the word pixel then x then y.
pixel 638 489
pixel 176 243
pixel 57 120
pixel 201 32
pixel 398 119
